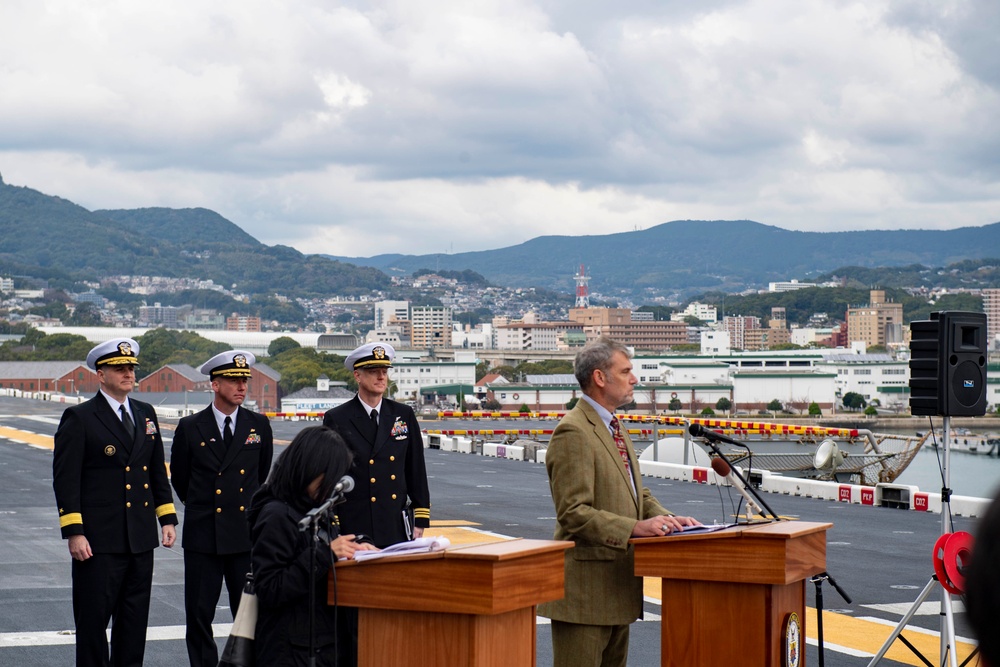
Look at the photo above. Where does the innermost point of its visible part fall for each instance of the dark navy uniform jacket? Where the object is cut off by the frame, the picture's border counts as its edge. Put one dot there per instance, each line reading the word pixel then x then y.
pixel 216 484
pixel 388 468
pixel 112 489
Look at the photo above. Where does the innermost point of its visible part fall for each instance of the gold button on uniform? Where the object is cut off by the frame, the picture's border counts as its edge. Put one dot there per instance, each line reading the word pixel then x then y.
pixel 145 486
pixel 241 508
pixel 392 477
pixel 392 458
pixel 371 462
pixel 373 498
pixel 145 468
pixel 128 487
pixel 218 510
pixel 243 472
pixel 128 504
pixel 218 492
pixel 145 504
pixel 373 480
pixel 128 469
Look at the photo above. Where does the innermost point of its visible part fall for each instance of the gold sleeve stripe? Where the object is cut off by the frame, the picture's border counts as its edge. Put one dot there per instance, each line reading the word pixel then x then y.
pixel 165 509
pixel 70 519
pixel 421 513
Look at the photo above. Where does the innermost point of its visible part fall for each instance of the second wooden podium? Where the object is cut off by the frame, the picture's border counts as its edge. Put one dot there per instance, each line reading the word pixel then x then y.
pixel 728 596
pixel 465 606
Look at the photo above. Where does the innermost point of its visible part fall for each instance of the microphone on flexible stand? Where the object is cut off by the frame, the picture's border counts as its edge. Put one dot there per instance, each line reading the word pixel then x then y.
pixel 721 466
pixel 723 469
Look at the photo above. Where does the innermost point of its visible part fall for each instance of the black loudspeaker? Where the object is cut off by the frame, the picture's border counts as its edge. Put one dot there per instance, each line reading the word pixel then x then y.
pixel 948 365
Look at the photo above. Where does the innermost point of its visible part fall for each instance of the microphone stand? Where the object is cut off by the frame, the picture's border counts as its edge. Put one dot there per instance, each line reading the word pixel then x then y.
pixel 736 473
pixel 818 580
pixel 311 521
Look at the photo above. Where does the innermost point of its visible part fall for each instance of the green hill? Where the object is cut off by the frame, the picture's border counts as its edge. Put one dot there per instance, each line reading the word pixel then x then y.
pixel 49 237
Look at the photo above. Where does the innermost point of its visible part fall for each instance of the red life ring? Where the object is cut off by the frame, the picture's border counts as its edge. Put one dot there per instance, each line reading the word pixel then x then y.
pixel 515 397
pixel 673 395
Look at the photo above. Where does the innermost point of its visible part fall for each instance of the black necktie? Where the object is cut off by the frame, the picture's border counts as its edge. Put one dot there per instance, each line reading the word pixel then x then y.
pixel 374 416
pixel 227 432
pixel 127 421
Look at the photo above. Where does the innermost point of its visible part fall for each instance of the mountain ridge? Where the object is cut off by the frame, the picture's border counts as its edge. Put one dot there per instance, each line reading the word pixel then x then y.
pixel 48 237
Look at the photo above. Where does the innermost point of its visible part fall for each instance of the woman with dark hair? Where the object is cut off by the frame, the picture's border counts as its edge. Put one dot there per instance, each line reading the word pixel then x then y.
pixel 302 478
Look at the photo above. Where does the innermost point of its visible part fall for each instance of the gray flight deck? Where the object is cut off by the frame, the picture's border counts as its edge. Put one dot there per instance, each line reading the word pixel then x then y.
pixel 880 556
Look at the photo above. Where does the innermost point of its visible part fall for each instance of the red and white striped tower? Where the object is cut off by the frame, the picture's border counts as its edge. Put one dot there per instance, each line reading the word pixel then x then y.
pixel 582 293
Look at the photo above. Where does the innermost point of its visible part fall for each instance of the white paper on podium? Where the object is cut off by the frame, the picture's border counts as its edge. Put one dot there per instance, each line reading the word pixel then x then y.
pixel 421 545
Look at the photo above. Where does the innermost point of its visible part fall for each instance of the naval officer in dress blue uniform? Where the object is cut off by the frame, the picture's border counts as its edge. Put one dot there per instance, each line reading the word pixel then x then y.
pixel 390 502
pixel 111 488
pixel 219 458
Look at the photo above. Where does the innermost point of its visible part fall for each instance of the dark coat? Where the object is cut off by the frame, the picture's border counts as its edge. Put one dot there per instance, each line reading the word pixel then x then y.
pixel 216 485
pixel 107 487
pixel 281 570
pixel 388 468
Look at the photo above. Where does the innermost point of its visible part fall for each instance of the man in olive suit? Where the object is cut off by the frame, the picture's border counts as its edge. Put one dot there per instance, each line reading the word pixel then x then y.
pixel 600 503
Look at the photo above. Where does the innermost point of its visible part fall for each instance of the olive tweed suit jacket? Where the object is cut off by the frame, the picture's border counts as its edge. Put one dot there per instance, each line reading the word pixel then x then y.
pixel 596 510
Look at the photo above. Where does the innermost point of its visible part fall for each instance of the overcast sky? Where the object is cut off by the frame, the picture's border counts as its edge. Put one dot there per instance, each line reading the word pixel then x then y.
pixel 414 126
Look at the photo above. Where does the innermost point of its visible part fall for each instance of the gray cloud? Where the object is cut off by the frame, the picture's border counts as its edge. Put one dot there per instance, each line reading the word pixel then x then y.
pixel 414 126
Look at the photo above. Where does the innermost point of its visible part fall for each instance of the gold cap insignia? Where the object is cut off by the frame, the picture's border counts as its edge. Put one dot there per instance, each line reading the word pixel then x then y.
pixel 240 361
pixel 110 450
pixel 378 352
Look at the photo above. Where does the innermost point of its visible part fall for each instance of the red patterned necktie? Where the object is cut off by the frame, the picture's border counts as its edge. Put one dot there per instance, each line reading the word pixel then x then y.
pixel 620 441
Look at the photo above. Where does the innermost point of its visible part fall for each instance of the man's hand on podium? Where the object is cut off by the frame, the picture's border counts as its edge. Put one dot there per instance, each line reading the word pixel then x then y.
pixel 664 524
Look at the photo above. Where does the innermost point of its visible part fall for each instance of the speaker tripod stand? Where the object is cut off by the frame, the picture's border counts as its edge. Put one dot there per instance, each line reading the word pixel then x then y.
pixel 948 649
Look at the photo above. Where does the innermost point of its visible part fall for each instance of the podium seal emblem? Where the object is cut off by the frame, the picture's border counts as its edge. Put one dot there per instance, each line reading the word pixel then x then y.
pixel 792 642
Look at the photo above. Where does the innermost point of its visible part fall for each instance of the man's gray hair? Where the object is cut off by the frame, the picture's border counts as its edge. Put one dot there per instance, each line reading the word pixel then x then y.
pixel 596 356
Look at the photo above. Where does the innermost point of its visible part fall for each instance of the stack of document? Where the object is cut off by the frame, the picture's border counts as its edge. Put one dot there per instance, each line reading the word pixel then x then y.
pixel 421 545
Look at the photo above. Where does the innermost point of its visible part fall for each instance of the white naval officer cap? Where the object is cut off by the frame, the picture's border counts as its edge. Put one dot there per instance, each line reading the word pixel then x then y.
pixel 229 364
pixel 114 352
pixel 370 355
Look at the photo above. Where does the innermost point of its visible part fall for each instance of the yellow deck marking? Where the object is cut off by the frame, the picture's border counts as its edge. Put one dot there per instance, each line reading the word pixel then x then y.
pixel 868 636
pixel 859 634
pixel 35 439
pixel 452 522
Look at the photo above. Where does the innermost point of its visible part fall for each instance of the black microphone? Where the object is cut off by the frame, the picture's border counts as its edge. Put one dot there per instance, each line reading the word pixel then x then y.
pixel 699 431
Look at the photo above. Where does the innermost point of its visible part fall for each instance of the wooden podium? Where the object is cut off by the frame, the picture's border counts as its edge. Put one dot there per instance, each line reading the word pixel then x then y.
pixel 470 605
pixel 727 596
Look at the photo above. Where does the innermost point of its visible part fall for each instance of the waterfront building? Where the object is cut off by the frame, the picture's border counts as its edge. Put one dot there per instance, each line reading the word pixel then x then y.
pixel 737 326
pixel 789 286
pixel 873 376
pixel 237 322
pixel 880 322
pixel 262 389
pixel 991 306
pixel 715 342
pixel 618 324
pixel 63 377
pixel 386 311
pixel 525 336
pixel 412 377
pixel 472 338
pixel 702 311
pixel 325 395
pixel 168 316
pixel 431 326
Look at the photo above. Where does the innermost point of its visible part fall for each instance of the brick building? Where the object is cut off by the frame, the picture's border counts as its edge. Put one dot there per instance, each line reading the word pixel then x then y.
pixel 64 377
